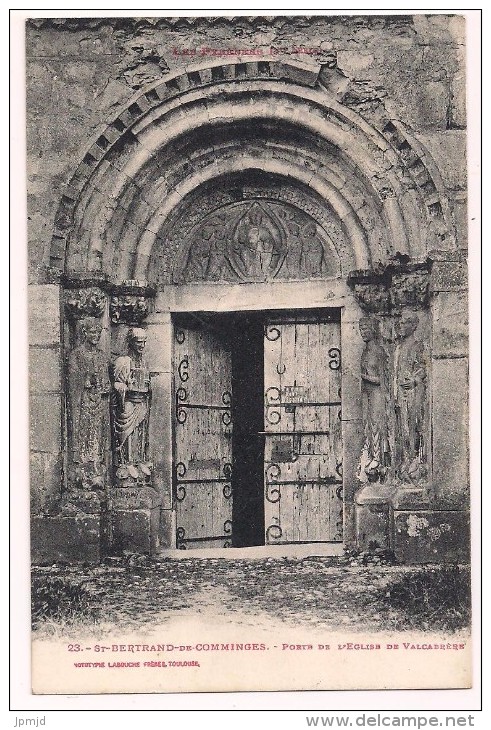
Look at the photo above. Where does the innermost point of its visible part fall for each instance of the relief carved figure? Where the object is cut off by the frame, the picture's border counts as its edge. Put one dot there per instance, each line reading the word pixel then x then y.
pixel 129 308
pixel 130 402
pixel 255 241
pixel 89 387
pixel 409 394
pixel 375 453
pixel 257 250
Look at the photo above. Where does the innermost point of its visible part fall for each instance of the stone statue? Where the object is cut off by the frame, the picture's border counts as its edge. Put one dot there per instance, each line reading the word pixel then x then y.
pixel 409 393
pixel 130 401
pixel 89 387
pixel 375 452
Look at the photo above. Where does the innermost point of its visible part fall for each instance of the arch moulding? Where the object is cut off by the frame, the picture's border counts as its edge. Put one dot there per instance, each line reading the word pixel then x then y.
pixel 193 131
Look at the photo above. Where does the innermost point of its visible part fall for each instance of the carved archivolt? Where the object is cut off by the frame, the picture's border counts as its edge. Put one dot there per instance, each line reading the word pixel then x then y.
pixel 371 173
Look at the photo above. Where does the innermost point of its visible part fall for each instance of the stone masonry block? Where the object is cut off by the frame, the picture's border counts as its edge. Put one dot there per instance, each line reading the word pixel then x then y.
pixel 167 531
pixel 160 335
pixel 352 347
pixel 448 149
pixel 464 228
pixel 425 104
pixel 439 29
pixel 65 539
pixel 431 536
pixel 304 74
pixel 449 276
pixel 372 526
pixel 133 498
pixel 352 445
pixel 161 436
pixel 352 62
pixel 44 314
pixel 135 530
pixel 450 431
pixel 450 325
pixel 44 370
pixel 458 116
pixel 349 535
pixel 45 480
pixel 45 423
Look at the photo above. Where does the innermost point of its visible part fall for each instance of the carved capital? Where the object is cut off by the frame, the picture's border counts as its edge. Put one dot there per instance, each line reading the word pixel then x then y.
pixel 373 298
pixel 128 309
pixel 130 302
pixel 85 302
pixel 390 287
pixel 410 290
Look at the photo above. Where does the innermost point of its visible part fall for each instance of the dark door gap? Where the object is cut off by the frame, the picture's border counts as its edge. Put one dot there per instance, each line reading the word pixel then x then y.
pixel 247 340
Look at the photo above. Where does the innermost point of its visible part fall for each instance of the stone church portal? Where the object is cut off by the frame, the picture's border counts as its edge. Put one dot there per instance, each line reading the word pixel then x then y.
pixel 248 296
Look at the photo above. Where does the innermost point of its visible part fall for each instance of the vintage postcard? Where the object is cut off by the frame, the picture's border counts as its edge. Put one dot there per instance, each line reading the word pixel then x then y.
pixel 248 330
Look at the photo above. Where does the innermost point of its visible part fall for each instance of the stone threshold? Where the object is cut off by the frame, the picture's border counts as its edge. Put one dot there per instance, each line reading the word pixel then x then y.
pixel 260 552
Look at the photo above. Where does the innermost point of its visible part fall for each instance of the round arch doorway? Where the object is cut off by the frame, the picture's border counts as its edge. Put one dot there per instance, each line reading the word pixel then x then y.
pixel 257 428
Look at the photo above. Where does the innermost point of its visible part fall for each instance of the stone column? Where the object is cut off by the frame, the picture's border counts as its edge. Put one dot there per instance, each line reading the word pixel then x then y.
pixel 370 479
pixel 135 497
pixel 45 403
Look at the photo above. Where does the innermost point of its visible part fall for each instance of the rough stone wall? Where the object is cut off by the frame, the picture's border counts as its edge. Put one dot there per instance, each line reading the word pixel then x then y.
pixel 79 71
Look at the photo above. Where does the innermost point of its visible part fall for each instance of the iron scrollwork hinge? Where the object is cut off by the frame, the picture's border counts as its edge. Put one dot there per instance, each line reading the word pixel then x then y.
pixel 335 358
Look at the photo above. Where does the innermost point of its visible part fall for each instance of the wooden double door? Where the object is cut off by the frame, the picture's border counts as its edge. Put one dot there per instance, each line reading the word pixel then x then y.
pixel 257 429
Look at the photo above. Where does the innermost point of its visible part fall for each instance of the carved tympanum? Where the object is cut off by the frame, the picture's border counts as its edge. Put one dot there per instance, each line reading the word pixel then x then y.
pixel 130 408
pixel 255 241
pixel 88 388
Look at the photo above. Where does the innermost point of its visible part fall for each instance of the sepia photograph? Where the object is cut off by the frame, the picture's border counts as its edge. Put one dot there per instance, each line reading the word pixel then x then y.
pixel 248 352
